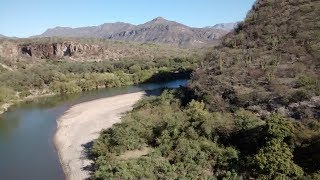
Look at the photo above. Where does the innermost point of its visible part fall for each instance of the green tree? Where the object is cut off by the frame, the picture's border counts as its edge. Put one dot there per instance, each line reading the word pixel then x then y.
pixel 245 120
pixel 279 127
pixel 64 87
pixel 274 161
pixel 134 69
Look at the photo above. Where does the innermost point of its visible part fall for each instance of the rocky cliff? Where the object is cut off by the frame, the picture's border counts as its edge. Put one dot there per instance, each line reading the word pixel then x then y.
pixel 82 49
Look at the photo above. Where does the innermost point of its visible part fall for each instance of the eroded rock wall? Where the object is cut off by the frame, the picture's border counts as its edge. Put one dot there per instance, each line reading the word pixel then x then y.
pixel 59 50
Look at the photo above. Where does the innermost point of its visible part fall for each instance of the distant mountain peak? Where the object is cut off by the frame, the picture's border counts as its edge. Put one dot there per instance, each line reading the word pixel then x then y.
pixel 224 26
pixel 159 20
pixel 157 30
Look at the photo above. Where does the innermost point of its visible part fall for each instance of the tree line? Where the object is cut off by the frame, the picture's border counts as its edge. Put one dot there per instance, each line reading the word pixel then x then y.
pixel 63 77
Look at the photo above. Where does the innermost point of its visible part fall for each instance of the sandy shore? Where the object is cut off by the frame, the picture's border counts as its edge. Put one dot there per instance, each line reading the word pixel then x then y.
pixel 81 124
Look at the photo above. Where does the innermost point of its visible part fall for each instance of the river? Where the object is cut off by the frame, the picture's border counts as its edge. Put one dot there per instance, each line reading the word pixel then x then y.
pixel 26 130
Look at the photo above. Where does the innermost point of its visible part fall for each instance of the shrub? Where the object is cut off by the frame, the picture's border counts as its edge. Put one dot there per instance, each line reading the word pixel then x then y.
pixel 246 120
pixel 274 161
pixel 6 94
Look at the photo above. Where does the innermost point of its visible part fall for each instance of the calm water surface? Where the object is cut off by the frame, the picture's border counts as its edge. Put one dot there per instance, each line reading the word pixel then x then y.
pixel 26 130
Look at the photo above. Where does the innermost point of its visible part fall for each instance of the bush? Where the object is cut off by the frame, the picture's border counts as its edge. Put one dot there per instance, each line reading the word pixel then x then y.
pixel 134 69
pixel 246 120
pixel 6 94
pixel 64 87
pixel 275 162
pixel 299 95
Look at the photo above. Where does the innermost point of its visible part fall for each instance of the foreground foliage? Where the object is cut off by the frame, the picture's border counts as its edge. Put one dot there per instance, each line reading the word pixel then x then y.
pixel 252 110
pixel 193 143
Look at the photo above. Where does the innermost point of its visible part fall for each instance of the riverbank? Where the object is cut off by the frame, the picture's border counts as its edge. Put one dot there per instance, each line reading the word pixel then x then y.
pixel 81 124
pixel 4 107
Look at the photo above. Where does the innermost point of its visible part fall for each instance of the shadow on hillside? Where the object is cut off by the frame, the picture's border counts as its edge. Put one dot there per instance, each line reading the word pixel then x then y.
pixel 86 154
pixel 164 76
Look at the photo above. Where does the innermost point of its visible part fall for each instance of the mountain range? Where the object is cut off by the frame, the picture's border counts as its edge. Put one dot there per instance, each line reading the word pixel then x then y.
pixel 3 36
pixel 158 30
pixel 224 26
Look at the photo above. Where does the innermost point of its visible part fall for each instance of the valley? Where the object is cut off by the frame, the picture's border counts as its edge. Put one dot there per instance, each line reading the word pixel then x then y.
pixel 158 99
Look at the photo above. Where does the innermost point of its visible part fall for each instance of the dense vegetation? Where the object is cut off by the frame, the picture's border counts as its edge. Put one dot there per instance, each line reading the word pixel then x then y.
pixel 186 141
pixel 66 77
pixel 269 62
pixel 251 111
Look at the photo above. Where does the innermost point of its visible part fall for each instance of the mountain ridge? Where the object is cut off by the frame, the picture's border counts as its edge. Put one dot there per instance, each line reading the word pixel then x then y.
pixel 3 36
pixel 224 26
pixel 158 30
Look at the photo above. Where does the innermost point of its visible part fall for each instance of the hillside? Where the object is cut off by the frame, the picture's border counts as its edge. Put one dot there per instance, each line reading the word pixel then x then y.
pixel 268 63
pixel 158 30
pixel 84 49
pixel 251 110
pixel 3 36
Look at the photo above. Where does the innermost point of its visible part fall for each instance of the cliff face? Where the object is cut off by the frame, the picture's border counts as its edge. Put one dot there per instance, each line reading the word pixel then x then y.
pixel 59 50
pixel 66 49
pixel 82 49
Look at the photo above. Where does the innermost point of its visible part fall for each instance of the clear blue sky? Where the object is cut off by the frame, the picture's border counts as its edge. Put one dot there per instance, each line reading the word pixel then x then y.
pixel 23 18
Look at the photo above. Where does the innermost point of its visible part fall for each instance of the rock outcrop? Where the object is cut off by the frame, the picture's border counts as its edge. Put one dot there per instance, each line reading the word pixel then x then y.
pixel 82 49
pixel 9 49
pixel 59 50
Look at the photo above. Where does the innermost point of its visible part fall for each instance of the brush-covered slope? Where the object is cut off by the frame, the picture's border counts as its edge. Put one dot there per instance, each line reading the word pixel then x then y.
pixel 84 49
pixel 270 63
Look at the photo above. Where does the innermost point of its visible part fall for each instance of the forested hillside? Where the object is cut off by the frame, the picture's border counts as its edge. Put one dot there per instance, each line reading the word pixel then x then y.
pixel 251 111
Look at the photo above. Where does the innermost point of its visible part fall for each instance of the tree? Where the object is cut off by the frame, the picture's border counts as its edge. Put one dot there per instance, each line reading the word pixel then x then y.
pixel 65 87
pixel 279 127
pixel 247 120
pixel 274 161
pixel 134 69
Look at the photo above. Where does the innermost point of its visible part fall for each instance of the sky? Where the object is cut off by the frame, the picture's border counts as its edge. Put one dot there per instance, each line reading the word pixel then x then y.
pixel 24 18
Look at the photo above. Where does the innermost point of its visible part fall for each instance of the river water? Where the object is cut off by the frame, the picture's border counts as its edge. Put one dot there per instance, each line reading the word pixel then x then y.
pixel 26 130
